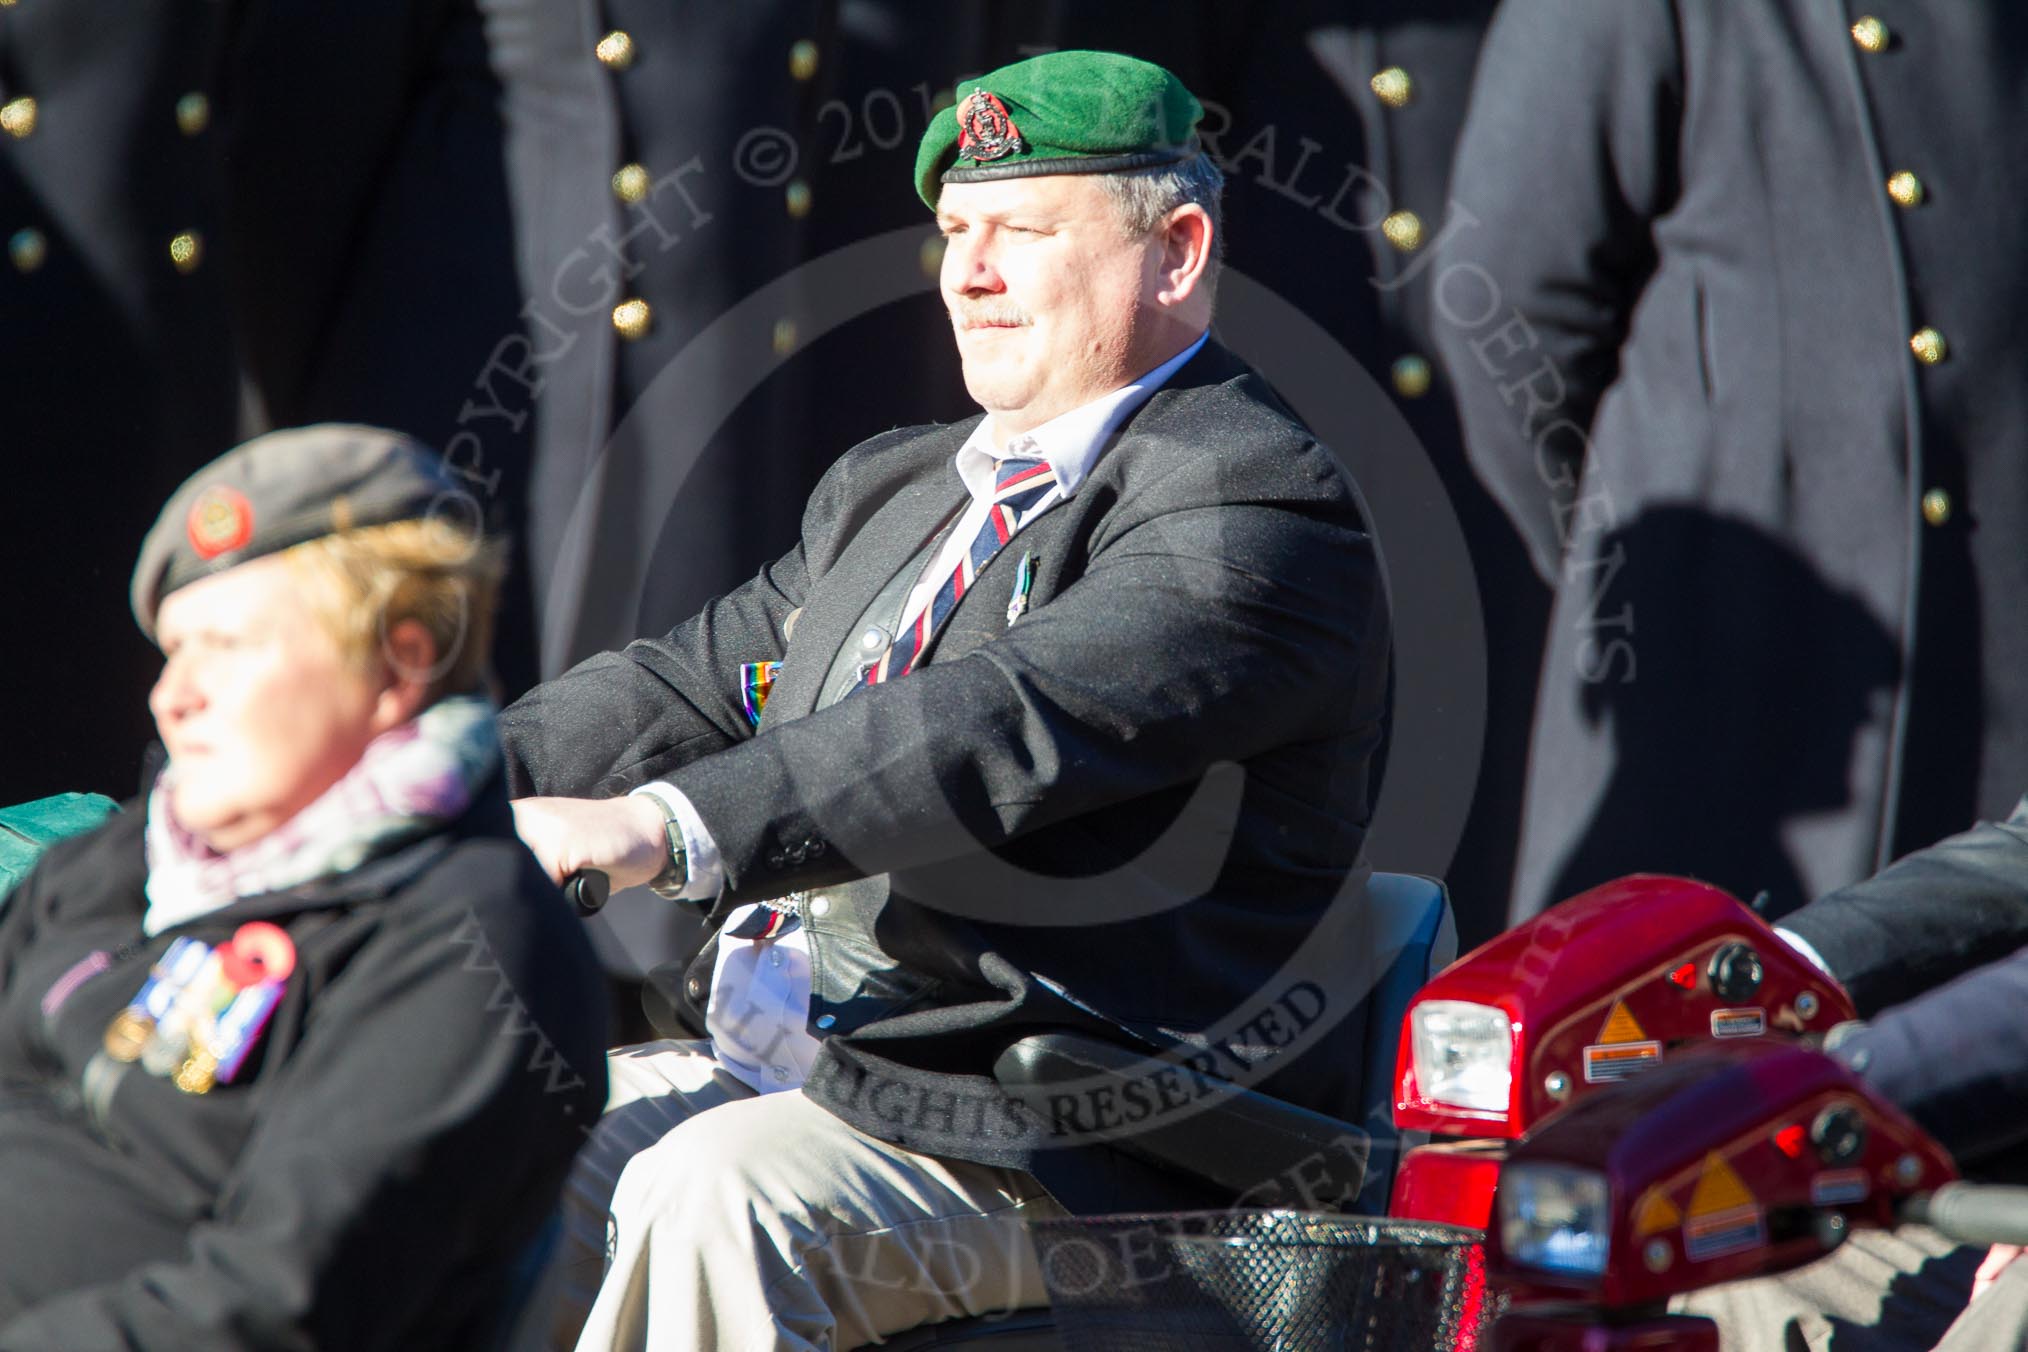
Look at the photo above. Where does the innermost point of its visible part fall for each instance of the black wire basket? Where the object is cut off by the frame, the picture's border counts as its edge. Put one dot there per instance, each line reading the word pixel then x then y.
pixel 1290 1281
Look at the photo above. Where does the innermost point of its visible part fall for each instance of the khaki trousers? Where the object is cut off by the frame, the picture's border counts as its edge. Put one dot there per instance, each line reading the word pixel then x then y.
pixel 733 1220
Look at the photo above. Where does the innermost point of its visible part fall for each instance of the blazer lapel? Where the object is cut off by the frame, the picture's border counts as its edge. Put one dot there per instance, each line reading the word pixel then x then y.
pixel 929 496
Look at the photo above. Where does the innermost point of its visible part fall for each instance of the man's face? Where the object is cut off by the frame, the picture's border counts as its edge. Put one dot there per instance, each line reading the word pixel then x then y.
pixel 1046 293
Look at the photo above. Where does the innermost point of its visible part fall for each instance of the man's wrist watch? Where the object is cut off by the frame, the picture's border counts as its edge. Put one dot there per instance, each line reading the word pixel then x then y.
pixel 675 874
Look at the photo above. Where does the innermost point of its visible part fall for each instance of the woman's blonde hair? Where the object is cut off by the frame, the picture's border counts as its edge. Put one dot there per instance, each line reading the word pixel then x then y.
pixel 359 584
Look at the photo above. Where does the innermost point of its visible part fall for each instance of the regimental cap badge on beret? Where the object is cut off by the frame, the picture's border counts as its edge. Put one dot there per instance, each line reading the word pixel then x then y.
pixel 1061 113
pixel 985 130
pixel 220 521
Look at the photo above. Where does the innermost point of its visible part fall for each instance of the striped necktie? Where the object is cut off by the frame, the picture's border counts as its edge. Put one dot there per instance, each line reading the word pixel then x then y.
pixel 1018 485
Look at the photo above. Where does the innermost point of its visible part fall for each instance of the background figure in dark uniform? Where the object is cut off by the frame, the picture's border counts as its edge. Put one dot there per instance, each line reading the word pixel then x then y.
pixel 1343 230
pixel 1758 263
pixel 685 177
pixel 369 243
pixel 116 373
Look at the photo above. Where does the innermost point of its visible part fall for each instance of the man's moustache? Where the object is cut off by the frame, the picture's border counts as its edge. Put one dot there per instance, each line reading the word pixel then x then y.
pixel 974 318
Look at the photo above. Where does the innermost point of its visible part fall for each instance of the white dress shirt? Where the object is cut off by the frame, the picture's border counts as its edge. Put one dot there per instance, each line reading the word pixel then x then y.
pixel 759 1013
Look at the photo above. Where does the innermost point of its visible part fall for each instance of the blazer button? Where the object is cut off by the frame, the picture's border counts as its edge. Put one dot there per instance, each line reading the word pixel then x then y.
pixel 615 50
pixel 18 117
pixel 186 251
pixel 631 183
pixel 193 114
pixel 696 988
pixel 1393 87
pixel 27 249
pixel 1906 189
pixel 632 319
pixel 1403 230
pixel 803 59
pixel 1411 376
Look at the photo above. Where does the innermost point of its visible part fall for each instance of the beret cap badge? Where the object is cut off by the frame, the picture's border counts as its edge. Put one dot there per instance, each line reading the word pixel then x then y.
pixel 986 132
pixel 220 521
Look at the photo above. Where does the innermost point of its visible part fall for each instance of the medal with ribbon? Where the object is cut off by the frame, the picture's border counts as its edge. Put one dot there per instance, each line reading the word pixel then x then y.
pixel 202 1009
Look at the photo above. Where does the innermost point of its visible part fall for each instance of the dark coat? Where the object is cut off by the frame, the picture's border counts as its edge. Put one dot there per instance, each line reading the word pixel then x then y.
pixel 117 374
pixel 369 241
pixel 1681 339
pixel 1934 952
pixel 400 1132
pixel 975 841
pixel 671 456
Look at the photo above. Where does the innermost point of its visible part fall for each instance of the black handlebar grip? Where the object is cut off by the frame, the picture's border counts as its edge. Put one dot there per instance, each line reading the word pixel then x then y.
pixel 1973 1213
pixel 588 890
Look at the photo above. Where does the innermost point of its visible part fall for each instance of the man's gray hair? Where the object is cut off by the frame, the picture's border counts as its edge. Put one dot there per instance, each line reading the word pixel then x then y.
pixel 1144 196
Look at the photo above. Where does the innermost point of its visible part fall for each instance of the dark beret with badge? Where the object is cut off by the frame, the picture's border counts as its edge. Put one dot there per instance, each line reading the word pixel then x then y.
pixel 1061 113
pixel 284 489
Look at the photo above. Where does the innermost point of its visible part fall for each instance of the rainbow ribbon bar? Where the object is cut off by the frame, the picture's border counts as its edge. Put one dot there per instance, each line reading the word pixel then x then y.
pixel 755 680
pixel 234 1034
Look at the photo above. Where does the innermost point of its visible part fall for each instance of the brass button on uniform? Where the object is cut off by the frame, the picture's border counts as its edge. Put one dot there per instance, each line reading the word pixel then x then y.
pixel 186 251
pixel 1906 189
pixel 631 183
pixel 797 199
pixel 193 114
pixel 1411 377
pixel 17 117
pixel 1403 230
pixel 1928 346
pixel 631 319
pixel 1393 87
pixel 803 59
pixel 785 337
pixel 26 249
pixel 1936 507
pixel 615 50
pixel 1871 34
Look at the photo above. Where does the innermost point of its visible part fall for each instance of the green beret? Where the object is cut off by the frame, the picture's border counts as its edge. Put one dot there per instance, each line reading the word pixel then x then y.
pixel 284 489
pixel 1063 113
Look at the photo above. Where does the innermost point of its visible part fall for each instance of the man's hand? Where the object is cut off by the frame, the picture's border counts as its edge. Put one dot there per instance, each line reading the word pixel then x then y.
pixel 1995 1263
pixel 623 836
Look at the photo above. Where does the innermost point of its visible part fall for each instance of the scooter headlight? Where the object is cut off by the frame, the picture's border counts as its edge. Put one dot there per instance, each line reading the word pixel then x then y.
pixel 1464 1055
pixel 1555 1218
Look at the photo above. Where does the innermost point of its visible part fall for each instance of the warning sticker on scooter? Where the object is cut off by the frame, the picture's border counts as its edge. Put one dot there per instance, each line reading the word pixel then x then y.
pixel 1724 1216
pixel 1622 1049
pixel 1738 1022
pixel 1840 1187
pixel 1605 1064
pixel 1723 1232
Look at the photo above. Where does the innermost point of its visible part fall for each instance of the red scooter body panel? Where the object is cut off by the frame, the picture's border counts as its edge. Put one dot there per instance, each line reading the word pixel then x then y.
pixel 1450 1182
pixel 1610 983
pixel 1722 1165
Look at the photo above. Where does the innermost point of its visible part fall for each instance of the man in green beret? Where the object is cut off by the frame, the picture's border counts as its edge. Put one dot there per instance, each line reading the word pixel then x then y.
pixel 959 768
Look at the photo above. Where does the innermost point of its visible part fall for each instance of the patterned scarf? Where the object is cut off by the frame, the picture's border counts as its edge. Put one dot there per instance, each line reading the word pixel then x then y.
pixel 409 781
